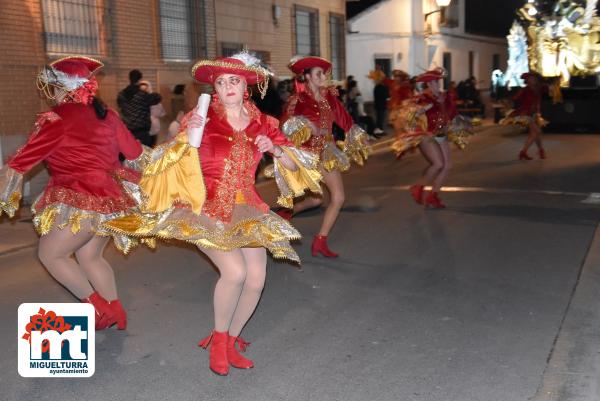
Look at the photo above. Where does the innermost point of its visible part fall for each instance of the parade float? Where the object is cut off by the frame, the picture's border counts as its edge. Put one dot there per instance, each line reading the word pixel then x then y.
pixel 560 40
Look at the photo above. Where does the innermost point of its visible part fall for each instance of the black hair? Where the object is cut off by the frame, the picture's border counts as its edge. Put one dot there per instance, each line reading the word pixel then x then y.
pixel 99 107
pixel 178 90
pixel 134 76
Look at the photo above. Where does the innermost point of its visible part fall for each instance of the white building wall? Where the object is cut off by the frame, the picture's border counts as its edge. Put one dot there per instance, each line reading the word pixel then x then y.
pixel 397 29
pixel 459 48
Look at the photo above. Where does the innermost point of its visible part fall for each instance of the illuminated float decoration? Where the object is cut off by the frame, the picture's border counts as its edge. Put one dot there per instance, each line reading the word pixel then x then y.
pixel 563 36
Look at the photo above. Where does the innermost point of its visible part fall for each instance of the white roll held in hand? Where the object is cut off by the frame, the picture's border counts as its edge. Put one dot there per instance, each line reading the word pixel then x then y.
pixel 195 134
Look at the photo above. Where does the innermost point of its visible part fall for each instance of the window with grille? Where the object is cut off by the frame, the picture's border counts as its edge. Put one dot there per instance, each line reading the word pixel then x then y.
pixel 229 49
pixel 336 36
pixel 307 31
pixel 76 26
pixel 264 56
pixel 182 29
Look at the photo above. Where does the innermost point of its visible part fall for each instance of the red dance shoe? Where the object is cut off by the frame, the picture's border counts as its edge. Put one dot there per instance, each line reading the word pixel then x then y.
pixel 542 153
pixel 235 358
pixel 218 352
pixel 417 193
pixel 105 316
pixel 524 156
pixel 120 316
pixel 432 200
pixel 285 214
pixel 319 245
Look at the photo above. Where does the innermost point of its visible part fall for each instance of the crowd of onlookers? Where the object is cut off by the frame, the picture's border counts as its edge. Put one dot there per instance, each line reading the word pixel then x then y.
pixel 142 110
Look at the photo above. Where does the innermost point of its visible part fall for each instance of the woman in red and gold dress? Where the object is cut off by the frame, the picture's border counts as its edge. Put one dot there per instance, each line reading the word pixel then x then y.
pixel 221 212
pixel 527 113
pixel 428 121
pixel 80 141
pixel 308 121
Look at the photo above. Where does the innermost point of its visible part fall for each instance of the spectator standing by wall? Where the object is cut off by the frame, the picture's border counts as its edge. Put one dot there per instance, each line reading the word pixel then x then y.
pixel 134 105
pixel 381 93
pixel 156 112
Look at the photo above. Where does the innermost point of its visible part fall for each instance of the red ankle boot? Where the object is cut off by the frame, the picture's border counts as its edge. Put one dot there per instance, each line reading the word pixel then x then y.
pixel 218 352
pixel 417 193
pixel 235 358
pixel 319 244
pixel 524 156
pixel 432 200
pixel 285 214
pixel 120 315
pixel 104 314
pixel 542 153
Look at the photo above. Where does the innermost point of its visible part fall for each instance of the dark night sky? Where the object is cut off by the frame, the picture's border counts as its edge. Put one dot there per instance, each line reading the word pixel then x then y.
pixel 491 17
pixel 483 17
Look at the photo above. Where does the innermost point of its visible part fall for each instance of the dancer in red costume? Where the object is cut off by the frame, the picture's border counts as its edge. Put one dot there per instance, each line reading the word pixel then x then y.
pixel 80 141
pixel 232 225
pixel 309 117
pixel 527 113
pixel 427 121
pixel 400 90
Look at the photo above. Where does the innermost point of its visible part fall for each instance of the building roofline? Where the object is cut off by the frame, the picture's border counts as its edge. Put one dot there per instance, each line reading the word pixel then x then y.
pixel 368 10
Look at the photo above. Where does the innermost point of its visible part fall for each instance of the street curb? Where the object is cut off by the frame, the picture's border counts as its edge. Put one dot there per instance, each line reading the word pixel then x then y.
pixel 573 369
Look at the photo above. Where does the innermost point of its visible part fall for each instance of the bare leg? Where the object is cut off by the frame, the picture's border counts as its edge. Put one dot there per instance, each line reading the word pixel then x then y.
pixel 310 201
pixel 232 267
pixel 538 136
pixel 447 164
pixel 96 268
pixel 431 151
pixel 534 135
pixel 256 271
pixel 55 251
pixel 335 185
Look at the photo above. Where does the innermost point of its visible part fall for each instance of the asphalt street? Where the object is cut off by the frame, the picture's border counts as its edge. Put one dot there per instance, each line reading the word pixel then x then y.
pixel 490 299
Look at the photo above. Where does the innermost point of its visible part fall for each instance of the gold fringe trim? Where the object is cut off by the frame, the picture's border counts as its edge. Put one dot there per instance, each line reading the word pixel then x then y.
pixel 268 231
pixel 11 190
pixel 60 216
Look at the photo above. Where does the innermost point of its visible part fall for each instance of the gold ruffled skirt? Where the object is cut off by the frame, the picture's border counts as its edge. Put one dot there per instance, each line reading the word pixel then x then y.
pixel 52 210
pixel 412 128
pixel 333 156
pixel 248 228
pixel 523 120
pixel 61 216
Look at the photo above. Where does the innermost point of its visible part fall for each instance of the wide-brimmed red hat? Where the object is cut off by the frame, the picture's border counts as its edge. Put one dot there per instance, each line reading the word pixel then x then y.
pixel 207 71
pixel 299 65
pixel 432 75
pixel 67 73
pixel 77 66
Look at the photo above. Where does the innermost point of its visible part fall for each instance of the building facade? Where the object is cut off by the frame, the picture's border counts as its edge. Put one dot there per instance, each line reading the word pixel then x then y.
pixel 162 38
pixel 416 35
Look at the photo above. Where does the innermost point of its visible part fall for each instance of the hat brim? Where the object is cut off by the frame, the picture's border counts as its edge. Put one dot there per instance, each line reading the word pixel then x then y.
pixel 207 71
pixel 92 64
pixel 429 77
pixel 299 66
